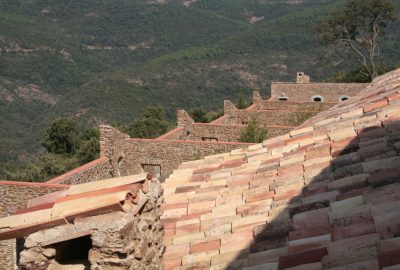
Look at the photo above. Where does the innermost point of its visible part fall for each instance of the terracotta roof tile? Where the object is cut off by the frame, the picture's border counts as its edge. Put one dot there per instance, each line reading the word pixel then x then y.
pixel 76 201
pixel 323 196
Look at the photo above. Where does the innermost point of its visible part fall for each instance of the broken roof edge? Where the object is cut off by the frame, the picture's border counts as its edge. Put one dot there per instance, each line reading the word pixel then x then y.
pixel 114 194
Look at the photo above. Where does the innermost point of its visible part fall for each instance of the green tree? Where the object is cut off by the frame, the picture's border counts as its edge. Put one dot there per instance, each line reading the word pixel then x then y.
pixel 151 125
pixel 62 137
pixel 358 75
pixel 242 103
pixel 253 133
pixel 357 28
pixel 199 115
pixel 48 166
pixel 89 147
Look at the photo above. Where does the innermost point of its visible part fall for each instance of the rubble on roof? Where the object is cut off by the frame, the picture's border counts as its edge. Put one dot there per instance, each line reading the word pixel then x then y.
pixel 324 196
pixel 111 223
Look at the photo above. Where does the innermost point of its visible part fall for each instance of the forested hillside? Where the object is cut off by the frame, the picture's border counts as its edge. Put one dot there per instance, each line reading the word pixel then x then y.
pixel 103 61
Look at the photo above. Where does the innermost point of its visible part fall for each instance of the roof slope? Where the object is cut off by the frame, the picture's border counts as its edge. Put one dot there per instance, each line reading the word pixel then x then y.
pixel 94 198
pixel 324 196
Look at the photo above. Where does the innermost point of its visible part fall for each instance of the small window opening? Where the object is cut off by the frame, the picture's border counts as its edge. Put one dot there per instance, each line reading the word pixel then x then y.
pixel 187 133
pixel 283 98
pixel 75 251
pixel 343 98
pixel 317 98
pixel 209 139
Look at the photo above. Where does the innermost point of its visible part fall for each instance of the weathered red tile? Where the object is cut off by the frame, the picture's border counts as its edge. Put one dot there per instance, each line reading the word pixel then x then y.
pixel 205 246
pixel 357 229
pixel 389 258
pixel 380 103
pixel 310 256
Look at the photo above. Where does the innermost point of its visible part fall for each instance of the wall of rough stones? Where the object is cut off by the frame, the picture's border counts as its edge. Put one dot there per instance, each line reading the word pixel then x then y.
pixel 13 197
pixel 120 240
pixel 228 133
pixel 127 155
pixel 270 118
pixel 293 106
pixel 267 118
pixel 95 170
pixel 175 134
pixel 303 92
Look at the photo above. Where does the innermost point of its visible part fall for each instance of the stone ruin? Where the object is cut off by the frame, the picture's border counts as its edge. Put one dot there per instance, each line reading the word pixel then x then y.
pixel 248 208
pixel 109 224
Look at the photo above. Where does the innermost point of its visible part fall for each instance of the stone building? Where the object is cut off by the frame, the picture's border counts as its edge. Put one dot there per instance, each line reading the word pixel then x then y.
pixel 303 90
pixel 324 196
pixel 108 224
pixel 121 155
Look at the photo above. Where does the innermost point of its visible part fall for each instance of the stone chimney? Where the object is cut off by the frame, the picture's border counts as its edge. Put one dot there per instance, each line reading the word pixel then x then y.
pixel 302 78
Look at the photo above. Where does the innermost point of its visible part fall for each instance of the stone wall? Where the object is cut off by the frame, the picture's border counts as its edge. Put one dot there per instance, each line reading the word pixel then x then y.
pixel 304 92
pixel 127 155
pixel 13 197
pixel 117 240
pixel 267 118
pixel 227 133
pixel 95 170
pixel 294 106
pixel 175 134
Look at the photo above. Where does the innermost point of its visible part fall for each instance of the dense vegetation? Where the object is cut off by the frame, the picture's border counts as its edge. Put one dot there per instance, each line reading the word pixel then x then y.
pixel 105 61
pixel 68 146
pixel 253 133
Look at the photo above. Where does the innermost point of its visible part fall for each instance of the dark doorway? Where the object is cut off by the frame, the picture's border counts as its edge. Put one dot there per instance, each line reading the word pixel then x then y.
pixel 74 251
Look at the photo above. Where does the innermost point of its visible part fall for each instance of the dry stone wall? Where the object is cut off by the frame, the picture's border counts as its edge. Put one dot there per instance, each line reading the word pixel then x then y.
pixel 127 156
pixel 13 197
pixel 209 132
pixel 118 240
pixel 266 118
pixel 93 171
pixel 293 106
pixel 304 92
pixel 227 133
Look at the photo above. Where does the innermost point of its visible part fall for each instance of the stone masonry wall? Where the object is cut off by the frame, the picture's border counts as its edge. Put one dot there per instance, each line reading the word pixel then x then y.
pixel 120 240
pixel 271 119
pixel 175 134
pixel 295 106
pixel 95 170
pixel 303 92
pixel 226 132
pixel 13 197
pixel 127 155
pixel 266 118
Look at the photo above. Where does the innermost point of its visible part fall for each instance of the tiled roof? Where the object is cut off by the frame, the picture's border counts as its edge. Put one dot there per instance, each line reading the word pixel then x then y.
pixel 116 194
pixel 324 196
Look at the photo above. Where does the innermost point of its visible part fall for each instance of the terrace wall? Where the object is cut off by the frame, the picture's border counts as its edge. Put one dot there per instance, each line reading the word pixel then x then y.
pixel 128 155
pixel 295 106
pixel 304 92
pixel 95 170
